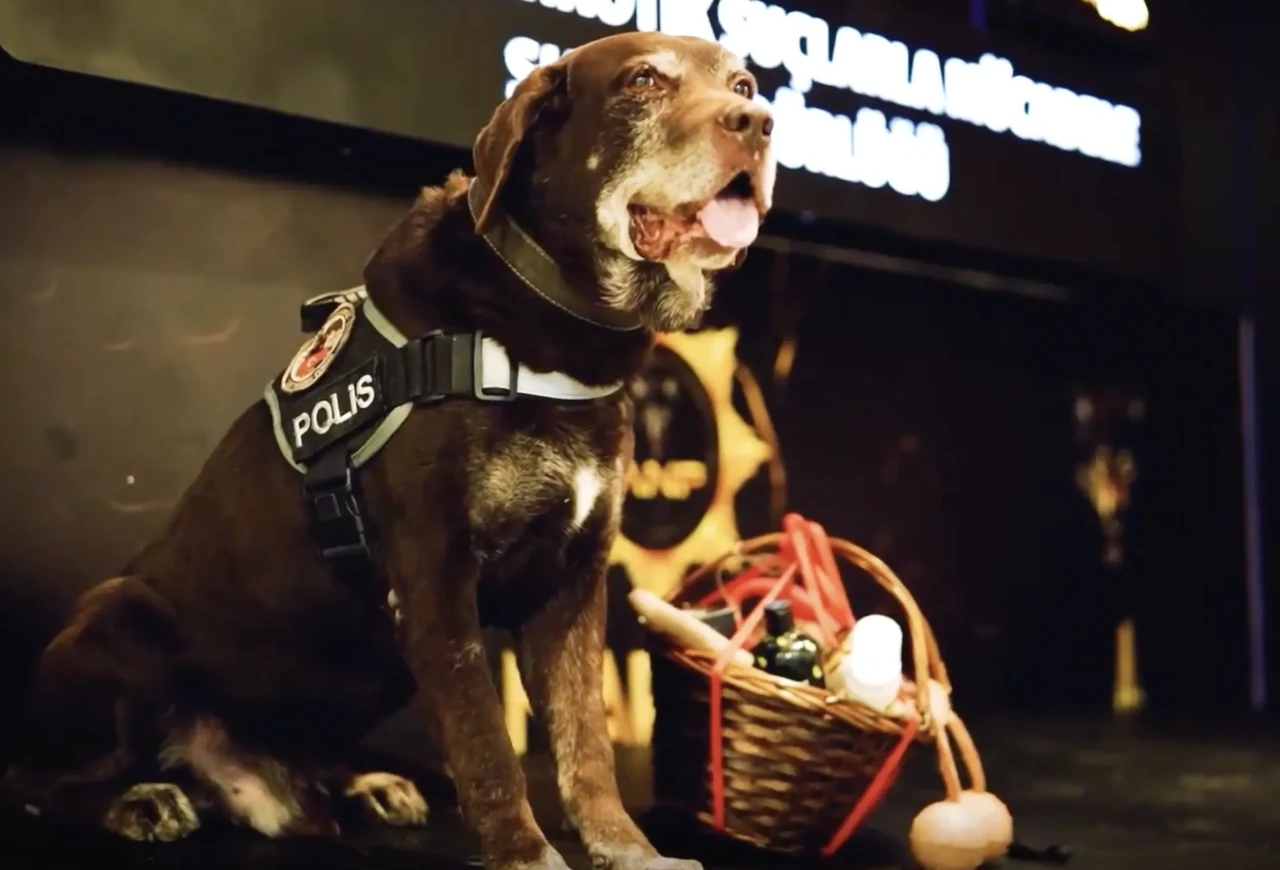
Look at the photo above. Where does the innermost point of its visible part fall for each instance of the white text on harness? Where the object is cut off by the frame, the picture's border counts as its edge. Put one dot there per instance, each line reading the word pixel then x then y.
pixel 329 411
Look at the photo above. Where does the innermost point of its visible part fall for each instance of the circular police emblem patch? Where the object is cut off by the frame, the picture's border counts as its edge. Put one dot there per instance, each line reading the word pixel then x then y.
pixel 318 353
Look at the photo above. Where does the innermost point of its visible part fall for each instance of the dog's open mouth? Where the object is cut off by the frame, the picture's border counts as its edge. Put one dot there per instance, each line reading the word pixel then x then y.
pixel 730 219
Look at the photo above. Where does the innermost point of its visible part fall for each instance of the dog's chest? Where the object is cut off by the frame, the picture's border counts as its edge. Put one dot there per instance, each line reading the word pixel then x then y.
pixel 560 483
pixel 540 509
pixel 584 492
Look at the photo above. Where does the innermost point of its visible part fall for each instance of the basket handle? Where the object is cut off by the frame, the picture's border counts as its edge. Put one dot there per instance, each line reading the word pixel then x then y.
pixel 764 545
pixel 777 548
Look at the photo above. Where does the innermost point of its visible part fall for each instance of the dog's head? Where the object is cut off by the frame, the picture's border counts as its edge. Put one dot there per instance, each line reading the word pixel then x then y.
pixel 643 157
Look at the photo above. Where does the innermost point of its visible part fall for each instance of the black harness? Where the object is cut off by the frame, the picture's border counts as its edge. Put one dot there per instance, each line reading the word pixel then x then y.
pixel 369 380
pixel 357 379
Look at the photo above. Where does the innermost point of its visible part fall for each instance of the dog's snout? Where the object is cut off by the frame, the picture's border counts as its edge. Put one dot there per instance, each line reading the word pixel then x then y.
pixel 753 123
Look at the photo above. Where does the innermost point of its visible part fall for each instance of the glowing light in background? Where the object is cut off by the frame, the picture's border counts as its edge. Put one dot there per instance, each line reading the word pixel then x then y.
pixel 1131 15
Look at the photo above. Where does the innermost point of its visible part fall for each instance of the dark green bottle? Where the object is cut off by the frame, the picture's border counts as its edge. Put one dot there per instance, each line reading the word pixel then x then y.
pixel 786 651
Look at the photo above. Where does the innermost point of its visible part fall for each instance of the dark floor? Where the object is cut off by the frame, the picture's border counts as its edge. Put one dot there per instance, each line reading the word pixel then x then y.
pixel 1119 796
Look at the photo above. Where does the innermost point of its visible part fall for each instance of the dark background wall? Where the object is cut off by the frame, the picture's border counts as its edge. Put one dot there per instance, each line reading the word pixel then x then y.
pixel 1224 60
pixel 153 248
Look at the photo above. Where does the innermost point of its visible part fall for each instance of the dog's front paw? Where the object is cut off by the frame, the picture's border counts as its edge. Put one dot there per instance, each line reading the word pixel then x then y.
pixel 636 858
pixel 390 799
pixel 152 811
pixel 549 860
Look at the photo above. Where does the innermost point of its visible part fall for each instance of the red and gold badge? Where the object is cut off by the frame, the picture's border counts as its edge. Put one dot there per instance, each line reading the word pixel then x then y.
pixel 318 353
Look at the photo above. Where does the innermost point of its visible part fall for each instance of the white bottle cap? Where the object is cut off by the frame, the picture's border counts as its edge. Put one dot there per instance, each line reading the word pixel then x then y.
pixel 872 670
pixel 876 646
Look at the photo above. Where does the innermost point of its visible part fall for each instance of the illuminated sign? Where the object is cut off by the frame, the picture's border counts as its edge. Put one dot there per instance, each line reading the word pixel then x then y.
pixel 872 148
pixel 904 123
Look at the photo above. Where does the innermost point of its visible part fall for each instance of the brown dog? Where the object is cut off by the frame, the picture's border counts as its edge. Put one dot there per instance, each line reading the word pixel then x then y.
pixel 231 667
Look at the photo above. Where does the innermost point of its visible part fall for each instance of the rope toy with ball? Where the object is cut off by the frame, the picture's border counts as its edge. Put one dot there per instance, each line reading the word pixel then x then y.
pixel 969 826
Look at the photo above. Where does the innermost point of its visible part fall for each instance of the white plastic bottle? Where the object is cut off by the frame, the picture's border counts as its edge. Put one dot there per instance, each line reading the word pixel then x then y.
pixel 872 671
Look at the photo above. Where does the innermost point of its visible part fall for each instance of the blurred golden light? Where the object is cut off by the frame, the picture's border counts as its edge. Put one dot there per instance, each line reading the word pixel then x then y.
pixel 712 355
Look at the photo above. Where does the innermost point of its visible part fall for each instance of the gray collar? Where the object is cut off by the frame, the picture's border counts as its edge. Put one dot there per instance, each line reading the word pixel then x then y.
pixel 539 272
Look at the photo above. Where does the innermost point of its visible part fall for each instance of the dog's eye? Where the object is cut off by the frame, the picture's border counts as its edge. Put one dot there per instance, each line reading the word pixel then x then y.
pixel 744 88
pixel 643 79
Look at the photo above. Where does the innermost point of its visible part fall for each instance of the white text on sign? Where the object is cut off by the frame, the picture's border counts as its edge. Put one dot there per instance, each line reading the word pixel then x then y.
pixel 909 157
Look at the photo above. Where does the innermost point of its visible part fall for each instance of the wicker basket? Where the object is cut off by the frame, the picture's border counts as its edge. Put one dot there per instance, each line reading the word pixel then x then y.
pixel 797 769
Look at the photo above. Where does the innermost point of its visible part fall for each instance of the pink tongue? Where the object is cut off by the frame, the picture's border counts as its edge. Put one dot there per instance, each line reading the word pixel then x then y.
pixel 731 223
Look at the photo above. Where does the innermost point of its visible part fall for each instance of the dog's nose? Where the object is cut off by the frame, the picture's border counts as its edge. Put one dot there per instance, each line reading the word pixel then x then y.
pixel 751 122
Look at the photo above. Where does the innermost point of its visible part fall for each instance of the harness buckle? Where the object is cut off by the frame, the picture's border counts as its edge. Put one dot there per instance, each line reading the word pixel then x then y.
pixel 440 365
pixel 448 362
pixel 333 503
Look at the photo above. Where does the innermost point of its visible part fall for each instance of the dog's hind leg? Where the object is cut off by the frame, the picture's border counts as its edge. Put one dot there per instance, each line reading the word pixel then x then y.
pixel 152 811
pixel 144 811
pixel 273 798
pixel 98 686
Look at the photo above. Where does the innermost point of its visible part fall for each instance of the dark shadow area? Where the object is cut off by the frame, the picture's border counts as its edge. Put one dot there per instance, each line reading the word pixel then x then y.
pixel 1113 796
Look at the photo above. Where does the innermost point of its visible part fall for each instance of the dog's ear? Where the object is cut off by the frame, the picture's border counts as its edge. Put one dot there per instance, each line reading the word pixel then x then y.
pixel 498 143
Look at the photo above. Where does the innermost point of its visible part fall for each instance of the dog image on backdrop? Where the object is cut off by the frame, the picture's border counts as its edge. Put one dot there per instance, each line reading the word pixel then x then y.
pixel 445 453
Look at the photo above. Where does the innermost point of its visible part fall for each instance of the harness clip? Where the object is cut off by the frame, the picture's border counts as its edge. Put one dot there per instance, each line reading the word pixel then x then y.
pixel 334 504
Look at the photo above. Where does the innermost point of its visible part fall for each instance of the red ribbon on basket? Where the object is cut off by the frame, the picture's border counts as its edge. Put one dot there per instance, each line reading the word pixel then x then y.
pixel 804 554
